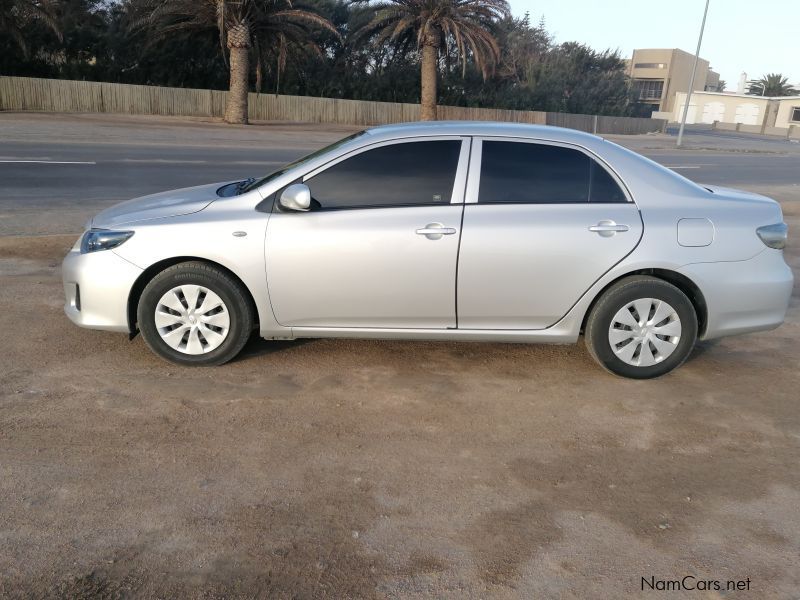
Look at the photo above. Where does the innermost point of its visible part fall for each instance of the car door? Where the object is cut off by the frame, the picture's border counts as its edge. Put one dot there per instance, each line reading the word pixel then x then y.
pixel 542 222
pixel 379 246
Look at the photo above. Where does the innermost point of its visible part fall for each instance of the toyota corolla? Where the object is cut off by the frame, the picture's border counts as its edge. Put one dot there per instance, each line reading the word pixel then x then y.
pixel 441 231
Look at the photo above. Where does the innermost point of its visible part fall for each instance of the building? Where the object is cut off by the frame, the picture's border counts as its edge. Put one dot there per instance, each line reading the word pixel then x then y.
pixel 659 74
pixel 756 114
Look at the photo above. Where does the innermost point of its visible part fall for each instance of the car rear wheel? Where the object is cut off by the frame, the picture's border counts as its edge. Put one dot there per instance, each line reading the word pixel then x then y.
pixel 195 314
pixel 642 327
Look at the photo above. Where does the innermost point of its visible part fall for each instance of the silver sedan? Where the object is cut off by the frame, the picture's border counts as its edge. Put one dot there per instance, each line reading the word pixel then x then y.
pixel 441 231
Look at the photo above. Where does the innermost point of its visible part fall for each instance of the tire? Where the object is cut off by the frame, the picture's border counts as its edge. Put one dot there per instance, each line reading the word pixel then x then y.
pixel 618 337
pixel 195 314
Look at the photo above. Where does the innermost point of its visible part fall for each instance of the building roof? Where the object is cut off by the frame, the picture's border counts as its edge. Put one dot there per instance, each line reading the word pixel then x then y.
pixel 750 96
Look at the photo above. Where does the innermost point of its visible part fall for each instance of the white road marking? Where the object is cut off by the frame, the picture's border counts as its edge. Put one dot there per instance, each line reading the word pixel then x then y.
pixel 50 162
pixel 169 161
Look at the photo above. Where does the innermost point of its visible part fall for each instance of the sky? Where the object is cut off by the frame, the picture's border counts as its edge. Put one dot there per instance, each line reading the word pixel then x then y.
pixel 757 37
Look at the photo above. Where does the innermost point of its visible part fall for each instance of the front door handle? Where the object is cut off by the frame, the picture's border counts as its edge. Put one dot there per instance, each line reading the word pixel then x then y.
pixel 607 228
pixel 435 231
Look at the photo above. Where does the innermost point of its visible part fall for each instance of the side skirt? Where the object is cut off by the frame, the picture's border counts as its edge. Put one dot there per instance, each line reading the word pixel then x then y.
pixel 554 335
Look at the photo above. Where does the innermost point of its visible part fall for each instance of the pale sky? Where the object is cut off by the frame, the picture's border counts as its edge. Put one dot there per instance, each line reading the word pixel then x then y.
pixel 757 37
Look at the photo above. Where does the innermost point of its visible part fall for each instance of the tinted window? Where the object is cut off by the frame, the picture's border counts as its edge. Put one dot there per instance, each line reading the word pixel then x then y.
pixel 403 174
pixel 514 172
pixel 604 188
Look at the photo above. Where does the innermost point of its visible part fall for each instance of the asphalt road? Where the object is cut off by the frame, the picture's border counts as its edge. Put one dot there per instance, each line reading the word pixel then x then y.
pixel 75 166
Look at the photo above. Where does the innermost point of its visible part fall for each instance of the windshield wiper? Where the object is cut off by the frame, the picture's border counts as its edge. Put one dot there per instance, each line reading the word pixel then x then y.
pixel 242 185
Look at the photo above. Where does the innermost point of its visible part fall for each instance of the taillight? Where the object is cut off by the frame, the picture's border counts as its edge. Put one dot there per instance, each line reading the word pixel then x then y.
pixel 774 236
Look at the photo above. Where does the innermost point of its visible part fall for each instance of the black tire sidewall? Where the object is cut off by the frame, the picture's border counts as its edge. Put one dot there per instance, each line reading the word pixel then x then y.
pixel 617 297
pixel 217 281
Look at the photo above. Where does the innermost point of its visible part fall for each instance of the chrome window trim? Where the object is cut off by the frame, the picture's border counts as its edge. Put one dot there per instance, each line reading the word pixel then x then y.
pixel 474 181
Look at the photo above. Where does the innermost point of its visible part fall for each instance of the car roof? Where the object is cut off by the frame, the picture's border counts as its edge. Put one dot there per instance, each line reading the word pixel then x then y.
pixel 485 128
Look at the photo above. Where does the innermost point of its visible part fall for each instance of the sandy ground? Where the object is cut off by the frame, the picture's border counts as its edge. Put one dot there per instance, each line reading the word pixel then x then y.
pixel 360 469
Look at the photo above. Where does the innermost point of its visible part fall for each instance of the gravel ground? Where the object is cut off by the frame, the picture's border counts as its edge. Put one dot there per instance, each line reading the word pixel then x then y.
pixel 358 469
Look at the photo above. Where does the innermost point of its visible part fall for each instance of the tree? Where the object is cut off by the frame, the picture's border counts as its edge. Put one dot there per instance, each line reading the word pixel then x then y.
pixel 270 28
pixel 117 41
pixel 434 27
pixel 576 79
pixel 772 84
pixel 721 85
pixel 16 16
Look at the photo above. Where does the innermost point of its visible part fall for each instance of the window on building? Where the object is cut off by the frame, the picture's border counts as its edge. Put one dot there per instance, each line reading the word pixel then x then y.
pixel 648 89
pixel 796 114
pixel 403 174
pixel 525 173
pixel 650 65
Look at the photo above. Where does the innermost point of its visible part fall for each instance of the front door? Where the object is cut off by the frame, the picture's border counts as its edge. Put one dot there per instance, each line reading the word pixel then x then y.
pixel 379 246
pixel 549 221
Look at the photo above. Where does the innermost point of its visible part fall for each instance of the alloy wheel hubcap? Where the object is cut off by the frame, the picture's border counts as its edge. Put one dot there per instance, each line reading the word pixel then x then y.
pixel 192 319
pixel 644 332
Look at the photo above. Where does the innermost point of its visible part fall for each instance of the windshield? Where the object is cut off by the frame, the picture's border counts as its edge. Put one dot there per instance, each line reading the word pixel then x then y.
pixel 259 182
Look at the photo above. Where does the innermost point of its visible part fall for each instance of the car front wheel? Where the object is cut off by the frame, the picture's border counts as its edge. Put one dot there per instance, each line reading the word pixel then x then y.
pixel 195 314
pixel 642 327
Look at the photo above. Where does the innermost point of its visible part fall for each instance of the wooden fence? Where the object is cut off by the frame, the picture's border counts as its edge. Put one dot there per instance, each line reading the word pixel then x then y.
pixel 59 95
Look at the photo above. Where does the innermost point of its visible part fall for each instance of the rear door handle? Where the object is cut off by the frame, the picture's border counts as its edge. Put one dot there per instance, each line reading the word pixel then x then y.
pixel 607 228
pixel 435 231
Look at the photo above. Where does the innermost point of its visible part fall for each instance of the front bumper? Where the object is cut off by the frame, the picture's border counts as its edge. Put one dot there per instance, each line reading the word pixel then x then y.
pixel 744 296
pixel 97 286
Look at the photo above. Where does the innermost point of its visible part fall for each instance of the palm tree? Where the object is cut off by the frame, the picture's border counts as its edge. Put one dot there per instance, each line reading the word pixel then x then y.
pixel 267 27
pixel 772 84
pixel 434 26
pixel 15 15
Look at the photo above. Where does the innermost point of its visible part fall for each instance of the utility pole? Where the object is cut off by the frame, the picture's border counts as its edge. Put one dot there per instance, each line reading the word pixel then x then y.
pixel 694 73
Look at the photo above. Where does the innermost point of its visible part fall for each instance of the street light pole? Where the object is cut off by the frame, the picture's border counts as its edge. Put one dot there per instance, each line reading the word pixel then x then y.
pixel 694 73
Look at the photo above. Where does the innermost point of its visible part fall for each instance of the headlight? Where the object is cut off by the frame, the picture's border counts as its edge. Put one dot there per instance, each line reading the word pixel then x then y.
pixel 774 236
pixel 103 239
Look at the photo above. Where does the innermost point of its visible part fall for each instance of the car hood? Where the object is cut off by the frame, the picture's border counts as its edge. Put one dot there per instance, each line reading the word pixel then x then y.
pixel 157 206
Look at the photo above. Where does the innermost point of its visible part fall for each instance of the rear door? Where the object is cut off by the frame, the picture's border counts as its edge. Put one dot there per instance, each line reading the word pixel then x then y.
pixel 542 222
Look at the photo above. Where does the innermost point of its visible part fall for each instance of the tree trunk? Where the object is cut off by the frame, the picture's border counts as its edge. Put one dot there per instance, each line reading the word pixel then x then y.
pixel 430 56
pixel 239 45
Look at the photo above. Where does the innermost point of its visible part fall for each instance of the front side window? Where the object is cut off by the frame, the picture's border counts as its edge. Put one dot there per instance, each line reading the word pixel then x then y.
pixel 525 173
pixel 402 174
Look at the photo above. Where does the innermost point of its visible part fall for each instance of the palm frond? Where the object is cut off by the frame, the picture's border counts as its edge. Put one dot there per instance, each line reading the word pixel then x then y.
pixel 465 26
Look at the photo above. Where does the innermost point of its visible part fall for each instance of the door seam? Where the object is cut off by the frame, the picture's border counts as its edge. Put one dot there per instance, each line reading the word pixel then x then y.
pixel 461 227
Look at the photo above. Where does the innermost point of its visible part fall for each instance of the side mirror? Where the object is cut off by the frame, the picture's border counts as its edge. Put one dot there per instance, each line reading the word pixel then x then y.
pixel 296 197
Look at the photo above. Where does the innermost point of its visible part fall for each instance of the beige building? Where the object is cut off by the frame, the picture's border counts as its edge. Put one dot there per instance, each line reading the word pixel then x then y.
pixel 755 114
pixel 658 74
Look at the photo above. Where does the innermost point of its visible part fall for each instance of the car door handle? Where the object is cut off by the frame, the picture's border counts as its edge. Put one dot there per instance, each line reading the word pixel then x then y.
pixel 435 231
pixel 607 228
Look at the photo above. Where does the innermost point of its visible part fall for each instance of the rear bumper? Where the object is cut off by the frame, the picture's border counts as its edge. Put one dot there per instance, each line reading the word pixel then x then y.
pixel 744 296
pixel 97 286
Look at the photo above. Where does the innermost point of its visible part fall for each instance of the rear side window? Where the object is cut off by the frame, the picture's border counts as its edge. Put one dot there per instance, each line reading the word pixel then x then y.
pixel 525 173
pixel 604 187
pixel 404 174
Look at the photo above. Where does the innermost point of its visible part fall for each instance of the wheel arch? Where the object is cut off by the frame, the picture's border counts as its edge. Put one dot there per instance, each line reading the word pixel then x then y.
pixel 147 275
pixel 680 281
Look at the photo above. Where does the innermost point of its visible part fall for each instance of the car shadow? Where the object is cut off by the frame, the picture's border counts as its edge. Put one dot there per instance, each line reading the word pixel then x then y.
pixel 701 347
pixel 257 346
